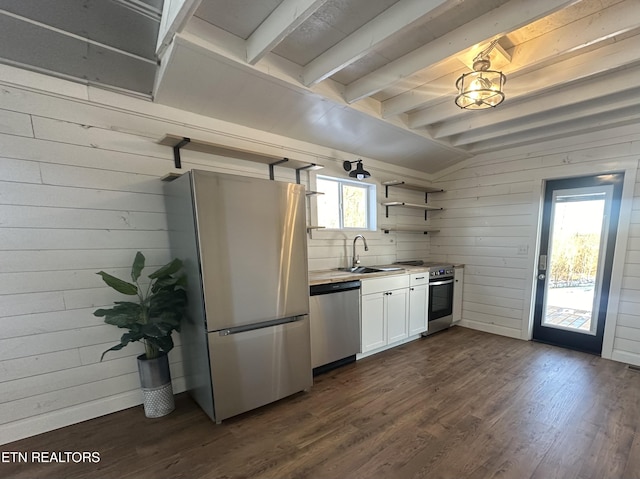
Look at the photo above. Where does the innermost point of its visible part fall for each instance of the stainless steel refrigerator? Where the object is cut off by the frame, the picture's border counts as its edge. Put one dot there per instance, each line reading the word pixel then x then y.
pixel 246 342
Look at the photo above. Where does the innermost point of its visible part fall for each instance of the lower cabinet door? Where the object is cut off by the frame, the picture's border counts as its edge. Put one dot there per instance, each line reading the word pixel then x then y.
pixel 373 327
pixel 418 305
pixel 396 312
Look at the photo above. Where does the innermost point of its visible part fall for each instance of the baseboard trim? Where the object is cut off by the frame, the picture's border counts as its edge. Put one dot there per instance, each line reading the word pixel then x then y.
pixel 32 426
pixel 491 328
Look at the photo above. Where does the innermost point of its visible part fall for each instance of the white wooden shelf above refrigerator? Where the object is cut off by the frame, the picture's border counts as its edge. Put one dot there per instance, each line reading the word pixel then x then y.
pixel 183 143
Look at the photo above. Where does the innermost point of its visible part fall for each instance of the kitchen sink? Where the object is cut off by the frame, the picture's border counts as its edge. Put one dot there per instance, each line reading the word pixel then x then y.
pixel 371 269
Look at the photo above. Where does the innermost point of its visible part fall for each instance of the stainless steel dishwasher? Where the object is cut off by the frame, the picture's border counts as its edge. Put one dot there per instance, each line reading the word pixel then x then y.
pixel 334 316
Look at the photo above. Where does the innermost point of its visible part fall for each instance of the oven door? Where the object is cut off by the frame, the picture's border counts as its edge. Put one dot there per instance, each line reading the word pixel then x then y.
pixel 440 299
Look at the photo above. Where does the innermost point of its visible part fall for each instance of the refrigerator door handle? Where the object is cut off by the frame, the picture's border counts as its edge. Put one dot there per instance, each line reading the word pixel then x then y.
pixel 265 324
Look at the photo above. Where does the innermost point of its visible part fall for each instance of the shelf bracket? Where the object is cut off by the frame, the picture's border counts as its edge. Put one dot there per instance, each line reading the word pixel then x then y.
pixel 275 163
pixel 177 161
pixel 302 168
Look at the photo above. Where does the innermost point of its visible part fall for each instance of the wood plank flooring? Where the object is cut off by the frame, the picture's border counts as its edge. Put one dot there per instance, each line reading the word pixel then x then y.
pixel 459 404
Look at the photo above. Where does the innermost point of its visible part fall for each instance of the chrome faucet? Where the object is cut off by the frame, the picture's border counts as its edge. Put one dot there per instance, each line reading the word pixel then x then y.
pixel 356 259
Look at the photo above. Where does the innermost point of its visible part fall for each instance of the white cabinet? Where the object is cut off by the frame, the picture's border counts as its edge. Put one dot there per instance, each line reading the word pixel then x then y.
pixel 458 280
pixel 373 329
pixel 395 310
pixel 384 309
pixel 418 302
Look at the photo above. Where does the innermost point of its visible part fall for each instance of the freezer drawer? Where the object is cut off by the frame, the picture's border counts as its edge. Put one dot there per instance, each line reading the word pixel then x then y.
pixel 253 368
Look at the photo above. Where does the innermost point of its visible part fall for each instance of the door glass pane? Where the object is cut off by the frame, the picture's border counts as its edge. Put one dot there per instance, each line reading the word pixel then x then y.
pixel 575 245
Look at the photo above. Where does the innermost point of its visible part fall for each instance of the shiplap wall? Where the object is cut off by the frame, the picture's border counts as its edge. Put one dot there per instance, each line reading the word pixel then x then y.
pixel 491 224
pixel 79 193
pixel 328 250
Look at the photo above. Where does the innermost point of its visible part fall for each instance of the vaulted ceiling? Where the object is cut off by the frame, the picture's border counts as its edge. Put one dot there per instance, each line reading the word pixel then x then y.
pixel 376 78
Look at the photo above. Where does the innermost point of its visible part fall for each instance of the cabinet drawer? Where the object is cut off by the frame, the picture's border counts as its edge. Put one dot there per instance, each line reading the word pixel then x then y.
pixel 378 285
pixel 419 278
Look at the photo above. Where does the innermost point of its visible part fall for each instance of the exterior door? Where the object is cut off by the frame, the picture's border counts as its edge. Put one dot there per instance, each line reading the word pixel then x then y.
pixel 580 221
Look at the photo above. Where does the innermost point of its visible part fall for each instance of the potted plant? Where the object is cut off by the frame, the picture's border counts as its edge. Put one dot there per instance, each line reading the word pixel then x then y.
pixel 152 318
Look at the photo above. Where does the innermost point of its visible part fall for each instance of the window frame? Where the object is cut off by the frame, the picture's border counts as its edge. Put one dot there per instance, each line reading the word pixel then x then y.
pixel 371 203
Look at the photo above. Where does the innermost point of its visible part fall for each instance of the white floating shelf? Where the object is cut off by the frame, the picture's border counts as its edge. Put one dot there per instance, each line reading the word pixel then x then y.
pixel 406 229
pixel 410 186
pixel 412 205
pixel 402 204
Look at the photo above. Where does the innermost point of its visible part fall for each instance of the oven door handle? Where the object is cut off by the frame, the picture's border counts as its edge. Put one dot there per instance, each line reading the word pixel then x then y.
pixel 439 283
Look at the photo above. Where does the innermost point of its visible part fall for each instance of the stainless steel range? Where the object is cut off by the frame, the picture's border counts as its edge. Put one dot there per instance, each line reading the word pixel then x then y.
pixel 440 312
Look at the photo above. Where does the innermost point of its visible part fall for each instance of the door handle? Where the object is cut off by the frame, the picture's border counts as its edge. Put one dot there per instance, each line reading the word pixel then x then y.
pixel 541 276
pixel 542 262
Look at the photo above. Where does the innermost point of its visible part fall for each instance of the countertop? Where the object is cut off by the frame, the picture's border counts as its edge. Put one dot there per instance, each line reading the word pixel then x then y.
pixel 336 276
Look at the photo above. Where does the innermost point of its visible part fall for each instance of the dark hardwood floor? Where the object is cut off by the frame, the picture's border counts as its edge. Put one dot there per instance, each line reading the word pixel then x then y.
pixel 460 404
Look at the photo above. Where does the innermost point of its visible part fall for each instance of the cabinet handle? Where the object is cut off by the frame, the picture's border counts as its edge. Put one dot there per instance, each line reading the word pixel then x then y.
pixel 420 277
pixel 412 289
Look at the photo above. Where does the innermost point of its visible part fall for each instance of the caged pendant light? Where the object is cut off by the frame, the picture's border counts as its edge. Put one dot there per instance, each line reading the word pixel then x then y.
pixel 482 88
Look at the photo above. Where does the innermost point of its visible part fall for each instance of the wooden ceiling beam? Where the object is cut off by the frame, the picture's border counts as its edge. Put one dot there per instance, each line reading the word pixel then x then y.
pixel 611 119
pixel 175 16
pixel 493 24
pixel 393 20
pixel 594 108
pixel 573 37
pixel 283 20
pixel 608 58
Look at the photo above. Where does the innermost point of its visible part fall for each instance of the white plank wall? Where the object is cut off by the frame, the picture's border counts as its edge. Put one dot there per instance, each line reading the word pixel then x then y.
pixel 329 250
pixel 490 224
pixel 80 192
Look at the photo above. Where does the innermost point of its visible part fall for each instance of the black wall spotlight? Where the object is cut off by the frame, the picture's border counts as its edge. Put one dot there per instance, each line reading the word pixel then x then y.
pixel 359 173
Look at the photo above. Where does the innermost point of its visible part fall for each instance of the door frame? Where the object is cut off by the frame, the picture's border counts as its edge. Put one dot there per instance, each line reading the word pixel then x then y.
pixel 629 168
pixel 588 341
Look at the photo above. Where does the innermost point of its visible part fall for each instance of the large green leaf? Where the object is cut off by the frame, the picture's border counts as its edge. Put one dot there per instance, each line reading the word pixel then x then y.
pixel 138 266
pixel 164 343
pixel 119 285
pixel 124 340
pixel 168 282
pixel 123 314
pixel 168 269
